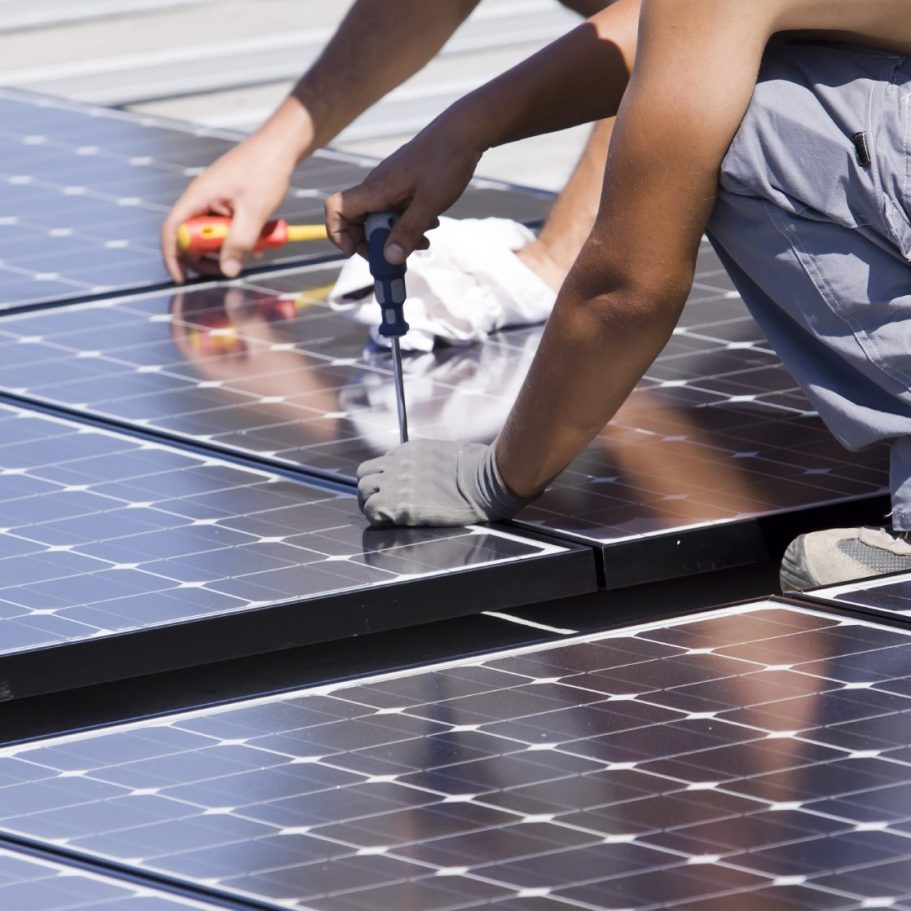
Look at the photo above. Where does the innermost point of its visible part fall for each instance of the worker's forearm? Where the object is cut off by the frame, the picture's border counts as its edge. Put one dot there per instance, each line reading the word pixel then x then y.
pixel 594 351
pixel 579 78
pixel 377 47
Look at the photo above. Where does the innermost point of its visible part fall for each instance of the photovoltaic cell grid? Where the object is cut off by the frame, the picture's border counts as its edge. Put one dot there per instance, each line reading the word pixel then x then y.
pixel 105 536
pixel 889 596
pixel 85 190
pixel 30 884
pixel 716 432
pixel 755 757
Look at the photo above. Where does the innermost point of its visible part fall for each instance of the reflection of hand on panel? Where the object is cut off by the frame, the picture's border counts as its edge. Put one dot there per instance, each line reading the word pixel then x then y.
pixel 230 336
pixel 252 343
pixel 666 463
pixel 453 393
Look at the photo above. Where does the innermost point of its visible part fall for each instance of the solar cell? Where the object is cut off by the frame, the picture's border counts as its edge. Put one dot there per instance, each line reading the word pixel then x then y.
pixel 735 758
pixel 121 556
pixel 886 596
pixel 716 434
pixel 85 190
pixel 31 884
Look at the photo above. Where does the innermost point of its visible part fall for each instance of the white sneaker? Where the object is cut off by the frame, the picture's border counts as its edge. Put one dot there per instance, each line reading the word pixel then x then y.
pixel 842 555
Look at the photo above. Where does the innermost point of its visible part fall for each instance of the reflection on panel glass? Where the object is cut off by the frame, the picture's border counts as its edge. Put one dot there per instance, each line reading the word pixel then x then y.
pixel 726 760
pixel 104 534
pixel 85 191
pixel 717 431
pixel 30 884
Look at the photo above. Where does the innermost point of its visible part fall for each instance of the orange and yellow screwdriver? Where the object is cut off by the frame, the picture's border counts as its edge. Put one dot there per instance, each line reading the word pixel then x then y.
pixel 206 233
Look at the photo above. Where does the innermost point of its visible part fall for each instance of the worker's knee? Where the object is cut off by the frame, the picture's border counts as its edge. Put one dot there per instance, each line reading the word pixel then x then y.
pixel 620 27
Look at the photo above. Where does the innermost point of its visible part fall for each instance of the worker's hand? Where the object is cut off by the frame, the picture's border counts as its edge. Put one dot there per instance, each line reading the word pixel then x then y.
pixel 248 183
pixel 435 482
pixel 420 181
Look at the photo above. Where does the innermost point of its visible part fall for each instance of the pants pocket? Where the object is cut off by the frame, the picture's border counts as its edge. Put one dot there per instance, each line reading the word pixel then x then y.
pixel 797 144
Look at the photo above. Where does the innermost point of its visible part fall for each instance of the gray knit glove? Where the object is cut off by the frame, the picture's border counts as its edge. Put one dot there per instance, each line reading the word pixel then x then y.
pixel 435 482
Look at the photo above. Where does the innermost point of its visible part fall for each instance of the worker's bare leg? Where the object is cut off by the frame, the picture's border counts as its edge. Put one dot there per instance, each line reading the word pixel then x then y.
pixel 573 214
pixel 570 220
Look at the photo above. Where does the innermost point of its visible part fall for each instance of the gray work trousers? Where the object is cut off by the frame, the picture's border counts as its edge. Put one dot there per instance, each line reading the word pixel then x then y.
pixel 812 223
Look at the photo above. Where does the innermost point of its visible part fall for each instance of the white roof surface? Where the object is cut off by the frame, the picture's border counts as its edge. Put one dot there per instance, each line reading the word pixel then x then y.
pixel 228 62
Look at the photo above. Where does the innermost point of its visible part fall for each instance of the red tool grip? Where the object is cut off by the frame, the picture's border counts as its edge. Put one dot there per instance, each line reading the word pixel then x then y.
pixel 206 234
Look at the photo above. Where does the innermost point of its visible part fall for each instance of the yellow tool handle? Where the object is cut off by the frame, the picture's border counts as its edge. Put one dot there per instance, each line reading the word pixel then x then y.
pixel 306 232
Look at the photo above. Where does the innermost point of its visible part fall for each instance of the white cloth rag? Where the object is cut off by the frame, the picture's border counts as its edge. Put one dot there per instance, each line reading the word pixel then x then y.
pixel 468 284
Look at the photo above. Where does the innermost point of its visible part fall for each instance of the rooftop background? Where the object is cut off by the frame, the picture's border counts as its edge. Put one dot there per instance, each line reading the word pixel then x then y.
pixel 227 63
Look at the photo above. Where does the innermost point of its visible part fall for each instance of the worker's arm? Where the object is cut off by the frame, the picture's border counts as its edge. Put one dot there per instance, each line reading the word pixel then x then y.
pixel 692 83
pixel 625 293
pixel 579 78
pixel 685 101
pixel 377 46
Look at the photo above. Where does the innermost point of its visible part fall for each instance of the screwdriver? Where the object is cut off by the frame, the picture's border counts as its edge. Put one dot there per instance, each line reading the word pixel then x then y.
pixel 206 233
pixel 389 288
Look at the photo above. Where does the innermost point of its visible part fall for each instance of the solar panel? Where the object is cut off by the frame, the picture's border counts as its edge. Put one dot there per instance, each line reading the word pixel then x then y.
pixel 33 884
pixel 85 190
pixel 754 757
pixel 715 435
pixel 885 596
pixel 121 556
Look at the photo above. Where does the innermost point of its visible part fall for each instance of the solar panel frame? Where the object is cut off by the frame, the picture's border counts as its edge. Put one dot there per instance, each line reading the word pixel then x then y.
pixel 40 883
pixel 124 556
pixel 709 460
pixel 738 755
pixel 885 597
pixel 89 227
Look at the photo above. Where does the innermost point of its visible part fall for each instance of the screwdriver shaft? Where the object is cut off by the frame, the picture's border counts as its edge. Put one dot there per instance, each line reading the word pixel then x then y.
pixel 399 390
pixel 389 288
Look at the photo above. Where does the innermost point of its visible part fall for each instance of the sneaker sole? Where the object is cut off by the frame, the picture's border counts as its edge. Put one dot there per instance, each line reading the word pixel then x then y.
pixel 793 575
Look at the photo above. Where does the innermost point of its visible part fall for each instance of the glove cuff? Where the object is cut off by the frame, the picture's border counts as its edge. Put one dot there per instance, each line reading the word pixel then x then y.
pixel 502 502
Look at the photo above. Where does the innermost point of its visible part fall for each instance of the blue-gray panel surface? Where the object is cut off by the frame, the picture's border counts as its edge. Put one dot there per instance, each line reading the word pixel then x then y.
pixel 85 190
pixel 756 757
pixel 104 537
